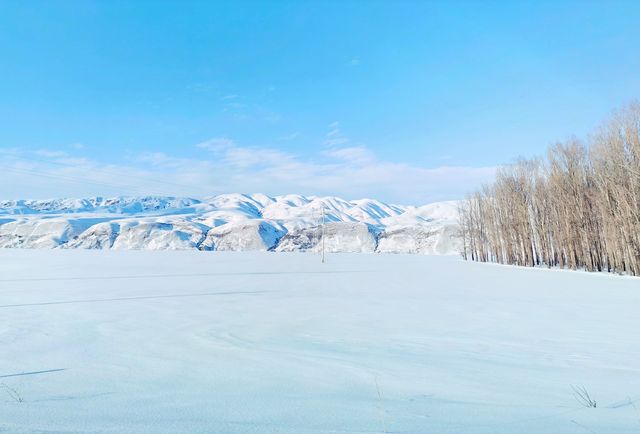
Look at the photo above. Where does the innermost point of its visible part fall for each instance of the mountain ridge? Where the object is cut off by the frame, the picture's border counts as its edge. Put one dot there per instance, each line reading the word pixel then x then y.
pixel 232 221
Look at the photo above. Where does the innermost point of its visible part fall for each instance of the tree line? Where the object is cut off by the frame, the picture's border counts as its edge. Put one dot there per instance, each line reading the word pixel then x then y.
pixel 578 207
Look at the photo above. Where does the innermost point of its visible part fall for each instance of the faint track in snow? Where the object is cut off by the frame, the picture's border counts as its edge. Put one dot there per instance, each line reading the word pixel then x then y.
pixel 302 355
pixel 157 276
pixel 33 373
pixel 142 297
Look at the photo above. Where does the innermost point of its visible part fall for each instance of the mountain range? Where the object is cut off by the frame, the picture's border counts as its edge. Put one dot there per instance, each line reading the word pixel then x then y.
pixel 230 222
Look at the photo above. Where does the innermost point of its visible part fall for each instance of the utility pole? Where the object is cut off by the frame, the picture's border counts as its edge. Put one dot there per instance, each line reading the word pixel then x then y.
pixel 323 233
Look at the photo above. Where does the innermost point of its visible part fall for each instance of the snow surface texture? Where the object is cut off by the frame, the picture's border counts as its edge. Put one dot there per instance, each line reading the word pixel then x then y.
pixel 219 342
pixel 230 222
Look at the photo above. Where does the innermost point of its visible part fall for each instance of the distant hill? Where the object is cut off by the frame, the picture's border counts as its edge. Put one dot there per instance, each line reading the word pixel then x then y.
pixel 236 222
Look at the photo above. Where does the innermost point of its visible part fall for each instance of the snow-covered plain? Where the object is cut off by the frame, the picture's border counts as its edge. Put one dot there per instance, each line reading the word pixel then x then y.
pixel 229 222
pixel 221 342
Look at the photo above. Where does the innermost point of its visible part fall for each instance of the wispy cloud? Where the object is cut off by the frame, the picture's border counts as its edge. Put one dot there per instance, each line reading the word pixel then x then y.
pixel 225 166
pixel 233 106
pixel 287 137
pixel 229 97
pixel 203 87
pixel 240 108
pixel 354 154
pixel 216 144
pixel 335 137
pixel 48 153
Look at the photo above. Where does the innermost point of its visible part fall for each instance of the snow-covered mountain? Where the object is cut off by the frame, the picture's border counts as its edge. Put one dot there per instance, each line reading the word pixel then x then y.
pixel 236 222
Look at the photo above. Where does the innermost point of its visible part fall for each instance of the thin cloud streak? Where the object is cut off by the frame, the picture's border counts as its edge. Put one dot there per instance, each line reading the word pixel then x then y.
pixel 350 172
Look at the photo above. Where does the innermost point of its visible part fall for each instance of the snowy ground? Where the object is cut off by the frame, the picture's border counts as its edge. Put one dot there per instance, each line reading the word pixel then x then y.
pixel 182 342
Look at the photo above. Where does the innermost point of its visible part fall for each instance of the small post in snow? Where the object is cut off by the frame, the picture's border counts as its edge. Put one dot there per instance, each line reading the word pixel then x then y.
pixel 323 233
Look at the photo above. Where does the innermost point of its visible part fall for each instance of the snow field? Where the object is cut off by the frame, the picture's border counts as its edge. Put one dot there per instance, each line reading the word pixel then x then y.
pixel 220 342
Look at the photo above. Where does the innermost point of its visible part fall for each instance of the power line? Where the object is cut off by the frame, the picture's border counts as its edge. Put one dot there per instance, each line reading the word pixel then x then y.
pixel 62 177
pixel 106 172
pixel 79 180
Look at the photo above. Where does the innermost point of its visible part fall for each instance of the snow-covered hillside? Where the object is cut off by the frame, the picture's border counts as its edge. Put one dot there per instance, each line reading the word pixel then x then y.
pixel 235 222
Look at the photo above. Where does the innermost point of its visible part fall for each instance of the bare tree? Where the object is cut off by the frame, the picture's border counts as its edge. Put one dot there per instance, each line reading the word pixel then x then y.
pixel 577 208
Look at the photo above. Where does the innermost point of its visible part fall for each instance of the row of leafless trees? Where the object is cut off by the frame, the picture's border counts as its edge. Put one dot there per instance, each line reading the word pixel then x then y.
pixel 577 208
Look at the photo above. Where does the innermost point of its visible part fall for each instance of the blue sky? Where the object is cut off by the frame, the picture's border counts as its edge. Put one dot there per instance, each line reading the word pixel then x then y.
pixel 403 101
